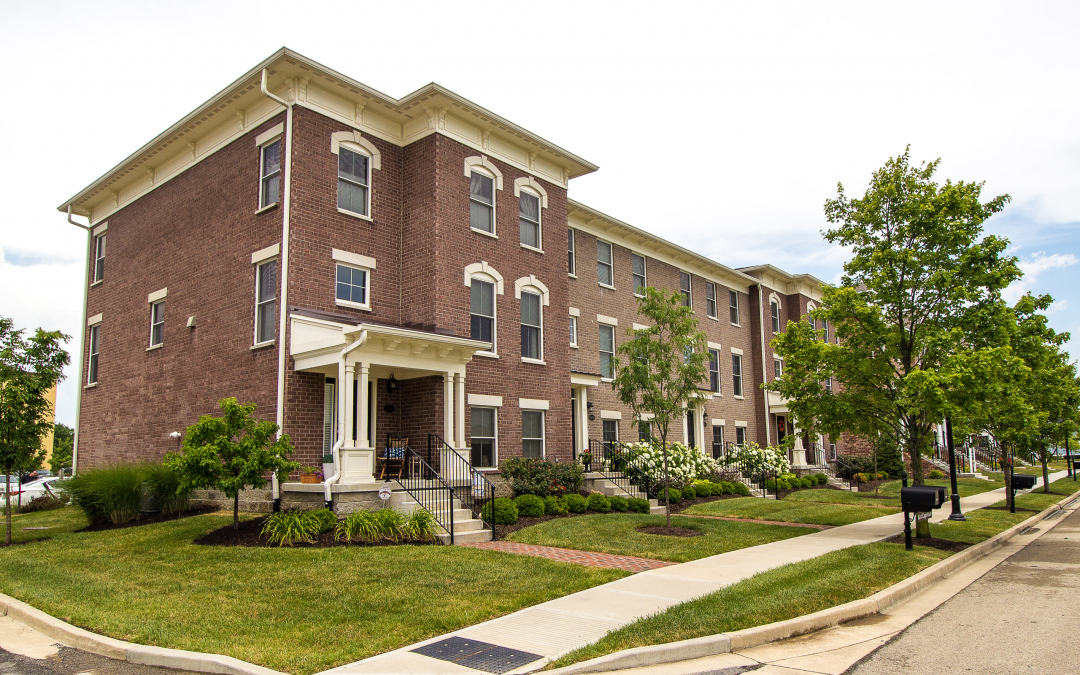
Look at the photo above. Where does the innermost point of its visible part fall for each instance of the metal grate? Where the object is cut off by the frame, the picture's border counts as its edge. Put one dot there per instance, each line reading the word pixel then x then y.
pixel 478 655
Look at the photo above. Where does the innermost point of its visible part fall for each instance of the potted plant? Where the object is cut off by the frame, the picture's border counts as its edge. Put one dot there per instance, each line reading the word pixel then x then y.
pixel 586 460
pixel 311 474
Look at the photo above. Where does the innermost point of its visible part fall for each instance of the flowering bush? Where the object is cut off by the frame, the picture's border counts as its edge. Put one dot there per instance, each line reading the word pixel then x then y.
pixel 755 458
pixel 685 464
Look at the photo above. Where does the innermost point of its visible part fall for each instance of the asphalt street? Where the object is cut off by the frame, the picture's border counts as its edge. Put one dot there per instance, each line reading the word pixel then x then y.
pixel 68 661
pixel 1020 617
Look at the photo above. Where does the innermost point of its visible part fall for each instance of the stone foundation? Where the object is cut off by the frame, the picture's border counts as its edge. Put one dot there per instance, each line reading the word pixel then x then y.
pixel 251 501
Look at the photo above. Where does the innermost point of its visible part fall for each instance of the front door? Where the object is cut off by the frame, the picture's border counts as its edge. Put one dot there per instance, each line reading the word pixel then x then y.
pixel 690 428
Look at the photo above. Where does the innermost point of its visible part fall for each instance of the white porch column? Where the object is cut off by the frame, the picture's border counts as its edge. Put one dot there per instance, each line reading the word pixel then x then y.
pixel 798 454
pixel 459 409
pixel 583 420
pixel 362 440
pixel 347 389
pixel 448 407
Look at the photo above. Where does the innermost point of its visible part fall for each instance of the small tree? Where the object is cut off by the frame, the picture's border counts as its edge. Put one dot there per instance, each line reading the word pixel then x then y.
pixel 215 454
pixel 661 368
pixel 62 449
pixel 29 369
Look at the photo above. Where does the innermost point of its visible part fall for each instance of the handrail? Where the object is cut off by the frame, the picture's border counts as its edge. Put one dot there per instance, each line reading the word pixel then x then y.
pixel 755 477
pixel 470 486
pixel 845 467
pixel 427 487
pixel 617 463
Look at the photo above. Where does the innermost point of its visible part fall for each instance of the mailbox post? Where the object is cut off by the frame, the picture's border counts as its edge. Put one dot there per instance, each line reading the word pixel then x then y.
pixel 1020 482
pixel 919 499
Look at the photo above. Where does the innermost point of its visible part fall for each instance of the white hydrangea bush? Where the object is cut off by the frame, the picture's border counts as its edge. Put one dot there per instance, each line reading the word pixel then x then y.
pixel 755 458
pixel 685 464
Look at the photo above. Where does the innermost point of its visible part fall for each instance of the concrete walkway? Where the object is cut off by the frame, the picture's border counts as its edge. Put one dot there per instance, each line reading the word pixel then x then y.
pixel 524 640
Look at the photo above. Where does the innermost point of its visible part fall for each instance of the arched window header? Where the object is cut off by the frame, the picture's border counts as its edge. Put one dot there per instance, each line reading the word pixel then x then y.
pixel 532 281
pixel 362 144
pixel 486 164
pixel 484 268
pixel 773 297
pixel 532 184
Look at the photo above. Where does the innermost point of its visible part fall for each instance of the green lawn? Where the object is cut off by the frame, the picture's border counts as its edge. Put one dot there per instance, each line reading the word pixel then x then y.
pixel 776 595
pixel 617 534
pixel 985 523
pixel 889 492
pixel 789 511
pixel 295 610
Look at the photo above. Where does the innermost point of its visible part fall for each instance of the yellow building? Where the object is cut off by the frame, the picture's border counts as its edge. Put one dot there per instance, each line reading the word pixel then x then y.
pixel 47 441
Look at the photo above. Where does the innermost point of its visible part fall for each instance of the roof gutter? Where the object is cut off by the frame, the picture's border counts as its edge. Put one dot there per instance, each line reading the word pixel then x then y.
pixel 82 337
pixel 344 400
pixel 284 275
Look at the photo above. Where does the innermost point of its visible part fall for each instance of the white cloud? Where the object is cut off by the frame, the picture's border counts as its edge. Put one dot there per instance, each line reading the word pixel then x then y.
pixel 1038 263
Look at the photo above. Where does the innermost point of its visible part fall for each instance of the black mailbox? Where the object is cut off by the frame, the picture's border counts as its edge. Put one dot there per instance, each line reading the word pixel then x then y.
pixel 1022 482
pixel 938 490
pixel 1076 465
pixel 918 499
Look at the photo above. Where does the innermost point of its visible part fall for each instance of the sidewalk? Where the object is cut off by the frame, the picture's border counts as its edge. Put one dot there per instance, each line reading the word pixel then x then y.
pixel 518 642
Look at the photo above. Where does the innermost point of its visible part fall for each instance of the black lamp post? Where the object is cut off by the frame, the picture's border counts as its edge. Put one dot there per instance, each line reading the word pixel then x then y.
pixel 956 513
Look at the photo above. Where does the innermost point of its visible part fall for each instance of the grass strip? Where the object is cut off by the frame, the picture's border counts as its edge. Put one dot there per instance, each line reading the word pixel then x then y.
pixel 617 534
pixel 775 595
pixel 787 511
pixel 300 611
pixel 889 492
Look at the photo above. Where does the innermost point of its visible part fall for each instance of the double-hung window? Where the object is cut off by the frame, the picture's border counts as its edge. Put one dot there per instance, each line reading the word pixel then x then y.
pixel 99 258
pixel 482 311
pixel 354 180
pixel 714 370
pixel 639 274
pixel 740 436
pixel 828 385
pixel 157 323
pixel 644 431
pixel 265 301
pixel 571 263
pixel 775 308
pixel 605 271
pixel 610 432
pixel 352 285
pixel 736 374
pixel 531 326
pixel 813 324
pixel 573 331
pixel 733 301
pixel 825 330
pixel 483 438
pixel 710 299
pixel 270 174
pixel 532 433
pixel 718 441
pixel 95 348
pixel 529 216
pixel 482 202
pixel 607 351
pixel 684 289
pixel 778 368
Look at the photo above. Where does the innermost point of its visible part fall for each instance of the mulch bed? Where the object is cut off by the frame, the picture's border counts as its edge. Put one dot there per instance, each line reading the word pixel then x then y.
pixel 932 542
pixel 502 530
pixel 673 531
pixel 250 534
pixel 150 518
pixel 687 503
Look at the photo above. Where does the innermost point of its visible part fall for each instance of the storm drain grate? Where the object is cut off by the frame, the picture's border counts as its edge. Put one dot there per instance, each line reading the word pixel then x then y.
pixel 476 654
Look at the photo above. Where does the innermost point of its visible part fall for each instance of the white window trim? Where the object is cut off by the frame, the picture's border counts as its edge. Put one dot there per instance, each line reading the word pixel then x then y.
pixel 93 321
pixel 533 404
pixel 716 303
pixel 614 341
pixel 270 135
pixel 574 323
pixel 497 177
pixel 485 401
pixel 612 265
pixel 273 138
pixel 157 295
pixel 645 276
pixel 100 229
pixel 367 285
pixel 495 454
pixel 482 272
pixel 265 254
pixel 360 149
pixel 534 288
pixel 719 380
pixel 574 311
pixel 572 246
pixel 736 350
pixel 542 196
pixel 532 283
pixel 360 144
pixel 354 259
pixel 640 326
pixel 543 434
pixel 609 320
pixel 255 326
pixel 98 236
pixel 738 308
pixel 718 422
pixel 91 327
pixel 486 166
pixel 741 375
pixel 154 303
pixel 610 415
pixel 690 290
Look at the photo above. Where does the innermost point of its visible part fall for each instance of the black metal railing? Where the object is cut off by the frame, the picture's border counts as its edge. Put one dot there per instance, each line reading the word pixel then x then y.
pixel 988 457
pixel 428 488
pixel 621 466
pixel 471 487
pixel 847 471
pixel 756 477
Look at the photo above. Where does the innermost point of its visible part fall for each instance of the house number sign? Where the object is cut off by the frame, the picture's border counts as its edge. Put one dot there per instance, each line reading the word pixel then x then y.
pixel 384 493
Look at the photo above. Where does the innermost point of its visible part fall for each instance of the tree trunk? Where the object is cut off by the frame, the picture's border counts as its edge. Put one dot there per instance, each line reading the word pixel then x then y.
pixel 1046 471
pixel 667 484
pixel 236 512
pixel 916 457
pixel 1007 466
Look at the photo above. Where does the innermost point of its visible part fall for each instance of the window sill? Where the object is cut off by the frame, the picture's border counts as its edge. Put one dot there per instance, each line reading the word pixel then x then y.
pixel 90 386
pixel 261 345
pixel 267 208
pixel 488 355
pixel 607 379
pixel 356 215
pixel 713 318
pixel 737 325
pixel 538 362
pixel 152 348
pixel 603 285
pixel 486 234
pixel 97 283
pixel 716 395
pixel 532 248
pixel 571 275
pixel 352 305
pixel 740 398
pixel 573 346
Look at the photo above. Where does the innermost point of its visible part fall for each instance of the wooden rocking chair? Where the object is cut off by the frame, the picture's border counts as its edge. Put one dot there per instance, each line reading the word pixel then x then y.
pixel 393 456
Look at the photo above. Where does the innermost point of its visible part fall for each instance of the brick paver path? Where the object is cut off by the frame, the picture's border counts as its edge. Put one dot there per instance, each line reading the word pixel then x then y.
pixel 617 562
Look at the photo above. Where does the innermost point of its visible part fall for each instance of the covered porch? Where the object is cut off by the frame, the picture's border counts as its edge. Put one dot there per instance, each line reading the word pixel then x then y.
pixel 384 382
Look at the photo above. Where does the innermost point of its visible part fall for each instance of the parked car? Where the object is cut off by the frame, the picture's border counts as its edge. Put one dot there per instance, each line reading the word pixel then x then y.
pixel 4 482
pixel 36 474
pixel 37 488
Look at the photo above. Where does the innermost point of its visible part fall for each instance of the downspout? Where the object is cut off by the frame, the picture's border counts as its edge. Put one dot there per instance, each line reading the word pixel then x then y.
pixel 82 340
pixel 342 412
pixel 285 212
pixel 764 368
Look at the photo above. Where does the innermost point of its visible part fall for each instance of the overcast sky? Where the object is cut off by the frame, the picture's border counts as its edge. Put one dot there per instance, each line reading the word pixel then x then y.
pixel 723 127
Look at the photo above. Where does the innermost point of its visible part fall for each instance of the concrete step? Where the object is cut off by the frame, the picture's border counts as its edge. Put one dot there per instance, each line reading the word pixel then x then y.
pixel 468 537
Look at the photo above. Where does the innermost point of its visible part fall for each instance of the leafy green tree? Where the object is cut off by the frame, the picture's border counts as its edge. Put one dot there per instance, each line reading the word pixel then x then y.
pixel 29 368
pixel 908 313
pixel 231 453
pixel 660 370
pixel 62 449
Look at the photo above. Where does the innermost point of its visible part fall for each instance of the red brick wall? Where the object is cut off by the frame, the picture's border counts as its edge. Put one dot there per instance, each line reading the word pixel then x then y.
pixel 195 235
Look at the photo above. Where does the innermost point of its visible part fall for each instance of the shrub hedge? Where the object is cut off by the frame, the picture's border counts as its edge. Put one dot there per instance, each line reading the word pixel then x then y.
pixel 534 476
pixel 555 506
pixel 598 502
pixel 618 503
pixel 500 511
pixel 638 505
pixel 575 503
pixel 529 506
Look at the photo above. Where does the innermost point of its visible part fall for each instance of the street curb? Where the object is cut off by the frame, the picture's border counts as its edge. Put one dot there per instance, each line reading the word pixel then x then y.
pixel 723 643
pixel 126 651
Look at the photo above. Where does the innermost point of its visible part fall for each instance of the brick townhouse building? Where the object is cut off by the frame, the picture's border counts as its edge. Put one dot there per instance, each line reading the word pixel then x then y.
pixel 363 267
